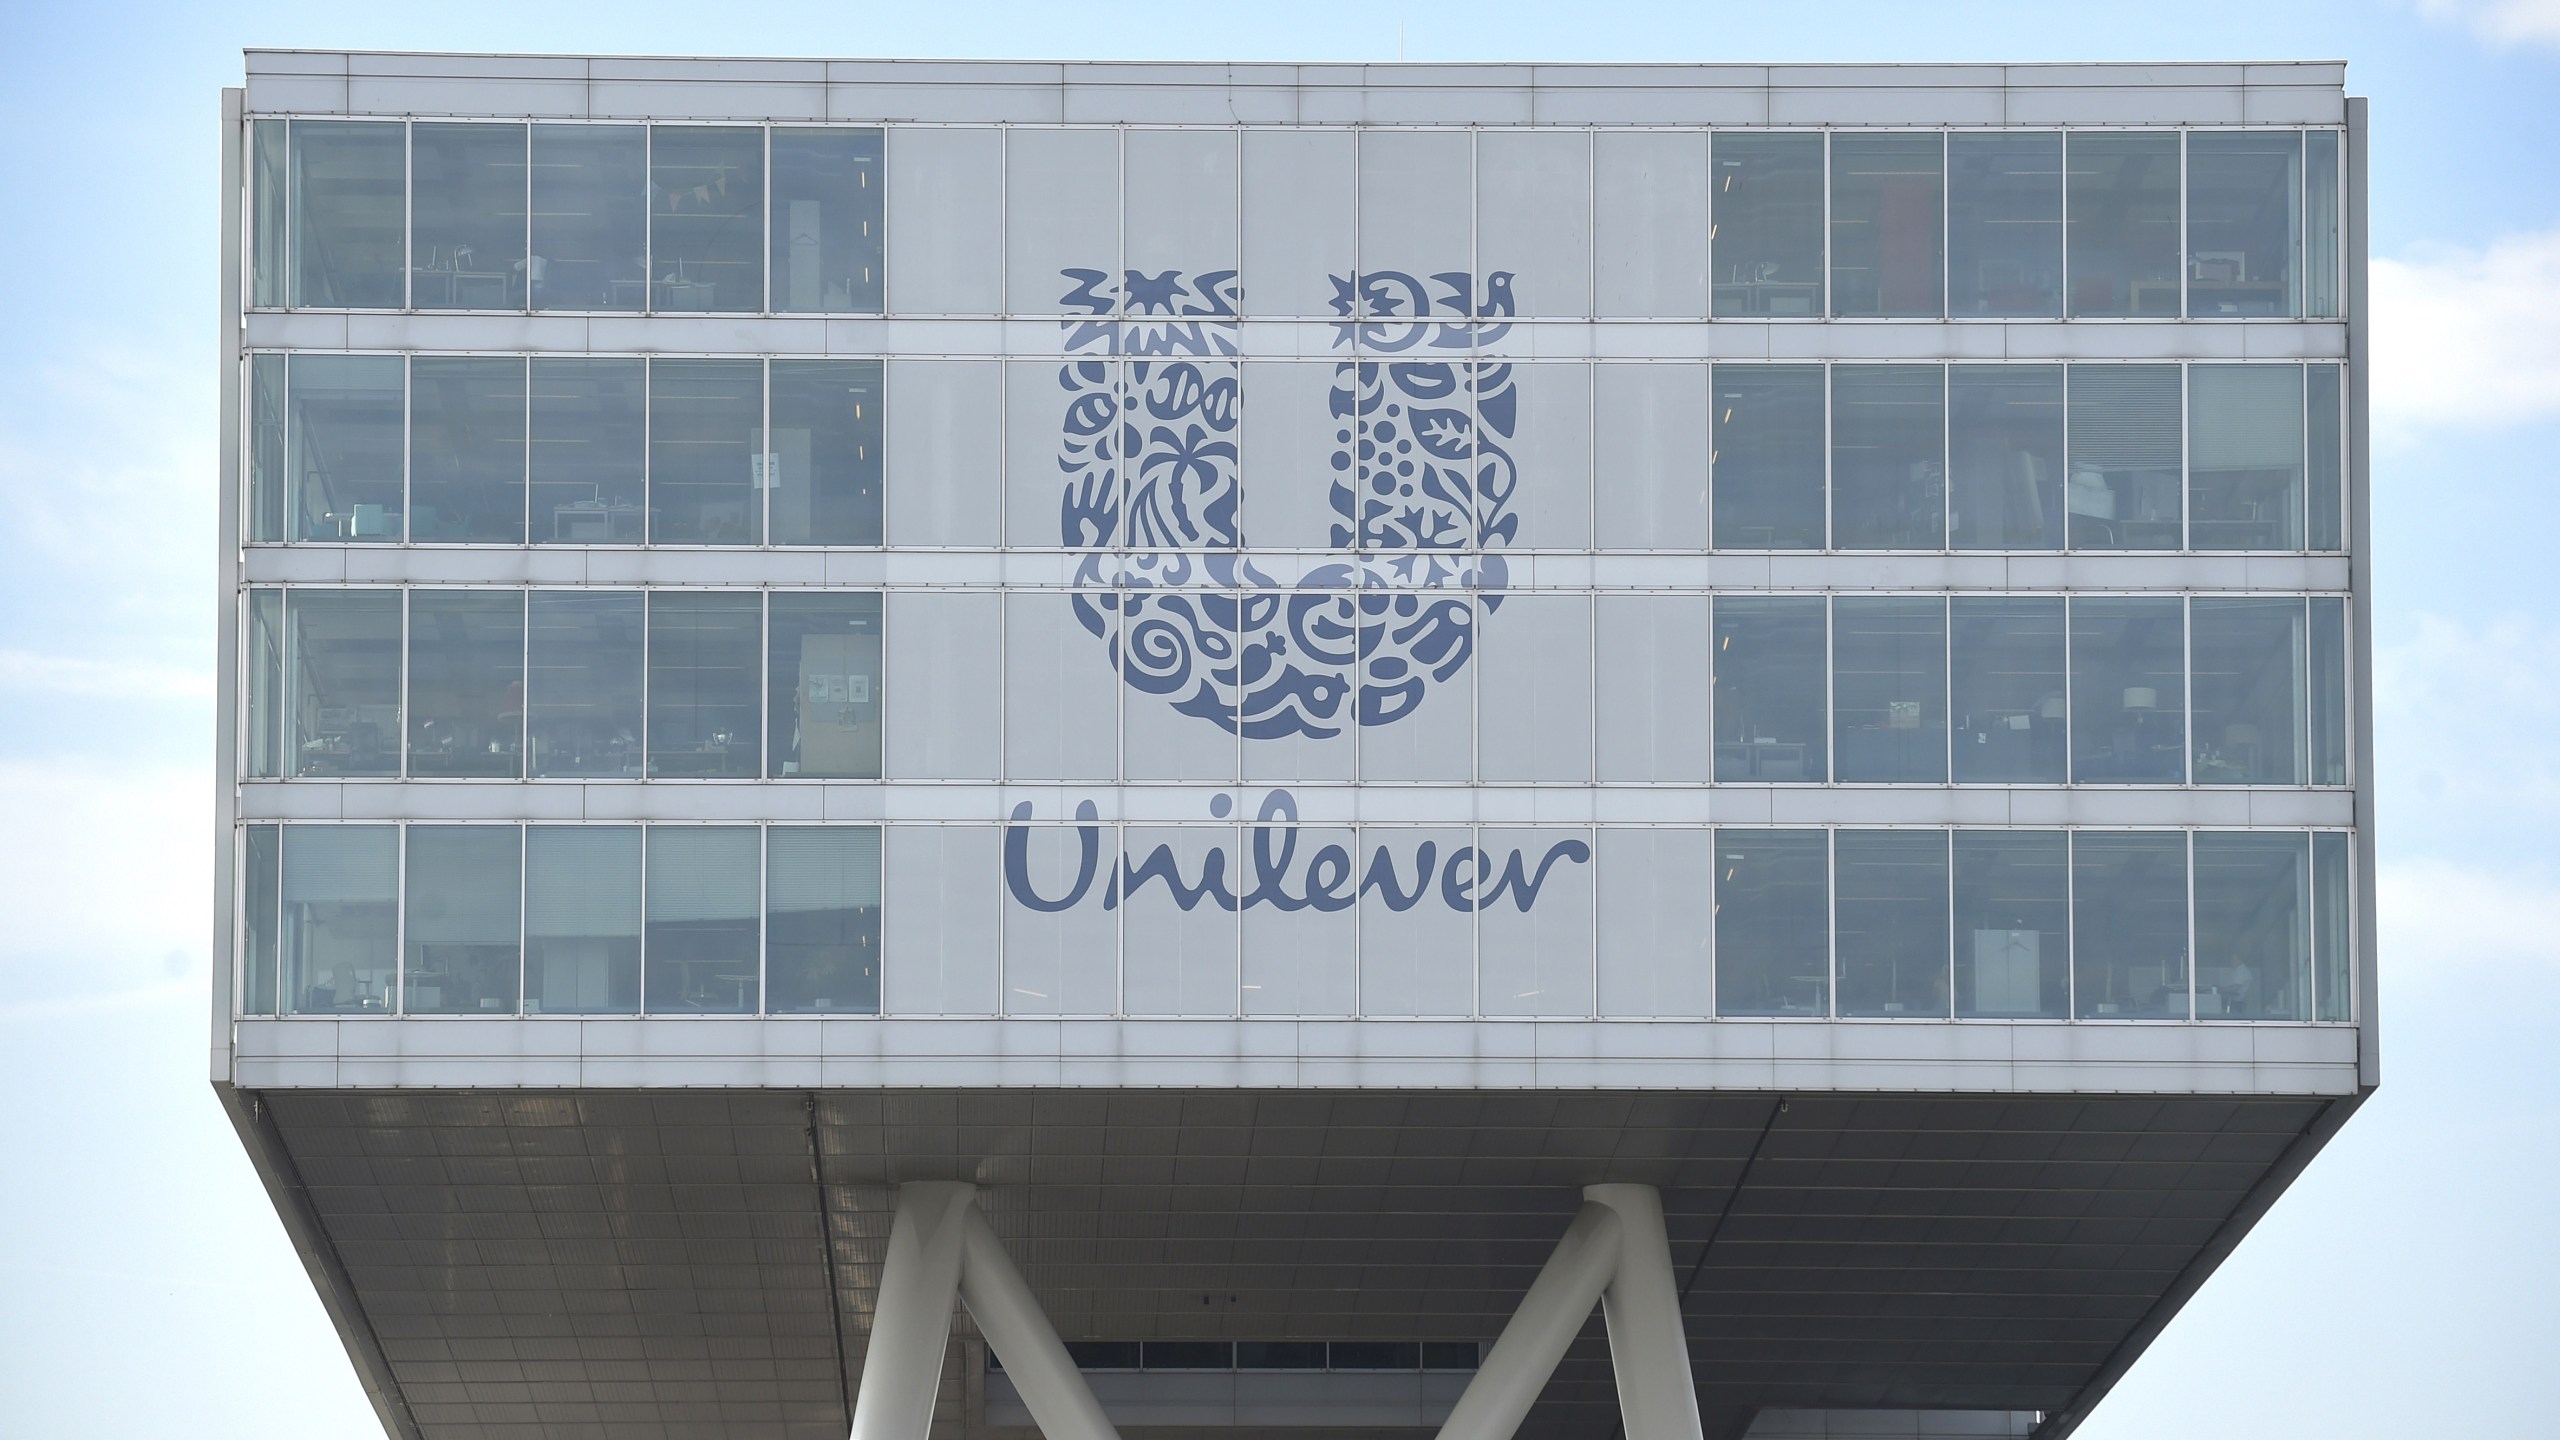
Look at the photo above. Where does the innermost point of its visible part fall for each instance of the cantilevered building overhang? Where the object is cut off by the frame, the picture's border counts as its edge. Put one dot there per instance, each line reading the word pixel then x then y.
pixel 1288 741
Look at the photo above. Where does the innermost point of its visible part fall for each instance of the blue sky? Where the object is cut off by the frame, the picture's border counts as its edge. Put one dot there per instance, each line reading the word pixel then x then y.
pixel 2403 1287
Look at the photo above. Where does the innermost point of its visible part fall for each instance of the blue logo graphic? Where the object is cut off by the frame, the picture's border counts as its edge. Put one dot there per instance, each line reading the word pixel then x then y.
pixel 1421 491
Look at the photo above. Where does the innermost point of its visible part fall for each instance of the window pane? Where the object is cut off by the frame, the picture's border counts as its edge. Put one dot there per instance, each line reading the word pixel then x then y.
pixel 2247 663
pixel 589 451
pixel 2124 488
pixel 348 178
pixel 1768 680
pixel 1888 457
pixel 265 517
pixel 341 921
pixel 2244 457
pixel 1892 918
pixel 2321 182
pixel 2123 229
pixel 2327 470
pixel 590 217
pixel 2129 917
pixel 342 673
pixel 705 418
pixel 825 466
pixel 1767 224
pixel 822 919
pixel 582 919
pixel 2253 926
pixel 2329 703
pixel 263 754
pixel 461 910
pixel 2004 438
pixel 1766 448
pixel 824 676
pixel 2004 223
pixel 585 665
pixel 1280 1355
pixel 826 220
pixel 466 448
pixel 2244 223
pixel 703 652
pixel 266 212
pixel 2013 923
pixel 343 447
pixel 2007 658
pixel 466 683
pixel 706 225
pixel 2332 933
pixel 1886 227
pixel 705 890
pixel 466 217
pixel 1889 687
pixel 2128 691
pixel 1772 937
pixel 261 863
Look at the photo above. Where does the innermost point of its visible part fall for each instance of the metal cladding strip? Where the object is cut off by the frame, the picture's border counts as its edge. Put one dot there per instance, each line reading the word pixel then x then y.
pixel 1052 1389
pixel 1550 1315
pixel 911 1323
pixel 1648 1345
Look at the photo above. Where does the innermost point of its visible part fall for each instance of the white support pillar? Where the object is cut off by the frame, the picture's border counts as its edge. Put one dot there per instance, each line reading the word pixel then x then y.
pixel 1648 1345
pixel 1550 1315
pixel 1052 1389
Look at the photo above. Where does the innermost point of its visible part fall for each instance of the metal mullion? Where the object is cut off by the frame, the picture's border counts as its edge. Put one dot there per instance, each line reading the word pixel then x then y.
pixel 648 225
pixel 524 684
pixel 768 457
pixel 1830 541
pixel 1947 693
pixel 764 231
pixel 1824 310
pixel 2062 209
pixel 289 284
pixel 525 466
pixel 1947 459
pixel 1831 920
pixel 2187 690
pixel 2184 311
pixel 1947 850
pixel 764 909
pixel 1946 228
pixel 399 998
pixel 764 683
pixel 640 1002
pixel 408 439
pixel 2070 700
pixel 403 771
pixel 2186 465
pixel 408 214
pixel 2189 837
pixel 648 641
pixel 648 454
pixel 2070 927
pixel 524 857
pixel 526 307
pixel 1830 696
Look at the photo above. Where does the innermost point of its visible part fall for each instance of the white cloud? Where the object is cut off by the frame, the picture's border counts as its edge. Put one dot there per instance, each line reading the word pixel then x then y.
pixel 2467 336
pixel 2503 22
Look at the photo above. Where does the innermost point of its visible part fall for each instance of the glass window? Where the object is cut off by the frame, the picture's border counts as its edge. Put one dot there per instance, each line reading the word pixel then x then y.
pixel 2326 422
pixel 2247 668
pixel 1887 229
pixel 2128 690
pixel 1890 911
pixel 460 916
pixel 705 891
pixel 1766 450
pixel 266 512
pixel 1768 679
pixel 1767 224
pixel 2004 223
pixel 2129 924
pixel 822 919
pixel 706 467
pixel 2253 926
pixel 466 683
pixel 1888 457
pixel 342 677
pixel 2329 703
pixel 826 231
pixel 2013 923
pixel 1772 952
pixel 582 919
pixel 349 179
pixel 590 217
pixel 466 448
pixel 343 446
pixel 341 919
pixel 2332 931
pixel 2004 447
pixel 2123 491
pixel 266 212
pixel 823 675
pixel 1280 1355
pixel 824 469
pixel 261 869
pixel 2006 659
pixel 2244 457
pixel 2244 222
pixel 590 451
pixel 1889 688
pixel 2123 227
pixel 2320 187
pixel 703 652
pixel 466 216
pixel 263 754
pixel 585 659
pixel 706 219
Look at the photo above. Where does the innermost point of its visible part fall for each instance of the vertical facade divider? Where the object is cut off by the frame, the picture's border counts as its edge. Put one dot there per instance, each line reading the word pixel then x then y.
pixel 648 223
pixel 400 769
pixel 408 215
pixel 527 307
pixel 2188 834
pixel 1831 921
pixel 764 914
pixel 408 442
pixel 524 883
pixel 1947 849
pixel 2070 925
pixel 397 1002
pixel 648 450
pixel 2185 310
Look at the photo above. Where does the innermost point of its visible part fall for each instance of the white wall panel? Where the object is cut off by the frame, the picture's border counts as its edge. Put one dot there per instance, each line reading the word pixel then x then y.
pixel 939 921
pixel 942 676
pixel 945 219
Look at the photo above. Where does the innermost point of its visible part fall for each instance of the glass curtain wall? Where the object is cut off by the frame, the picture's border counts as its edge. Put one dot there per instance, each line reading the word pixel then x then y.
pixel 825 232
pixel 2004 433
pixel 1771 913
pixel 582 919
pixel 2129 924
pixel 1766 457
pixel 2244 223
pixel 1889 688
pixel 822 920
pixel 1890 919
pixel 340 948
pixel 706 218
pixel 346 206
pixel 588 462
pixel 2012 924
pixel 467 201
pixel 585 657
pixel 467 449
pixel 1768 680
pixel 462 919
pixel 1765 230
pixel 1888 457
pixel 1888 223
pixel 822 703
pixel 705 899
pixel 2004 223
pixel 590 217
pixel 2122 223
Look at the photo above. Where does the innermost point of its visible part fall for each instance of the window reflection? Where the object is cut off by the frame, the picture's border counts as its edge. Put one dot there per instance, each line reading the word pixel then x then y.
pixel 703 683
pixel 2008 691
pixel 2004 223
pixel 466 216
pixel 1768 680
pixel 825 461
pixel 706 218
pixel 1888 457
pixel 2244 222
pixel 268 281
pixel 584 664
pixel 2332 932
pixel 2248 658
pixel 263 756
pixel 822 919
pixel 342 677
pixel 340 951
pixel 466 448
pixel 343 447
pixel 348 178
pixel 2244 457
pixel 261 872
pixel 264 518
pixel 2128 696
pixel 2129 914
pixel 2123 224
pixel 1890 910
pixel 589 452
pixel 1766 450
pixel 590 217
pixel 1889 688
pixel 582 919
pixel 824 678
pixel 1771 955
pixel 2124 487
pixel 1887 229
pixel 2012 923
pixel 1766 225
pixel 2329 738
pixel 466 683
pixel 2253 926
pixel 2325 471
pixel 707 467
pixel 2004 449
pixel 827 238
pixel 704 890
pixel 2322 178
pixel 460 921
